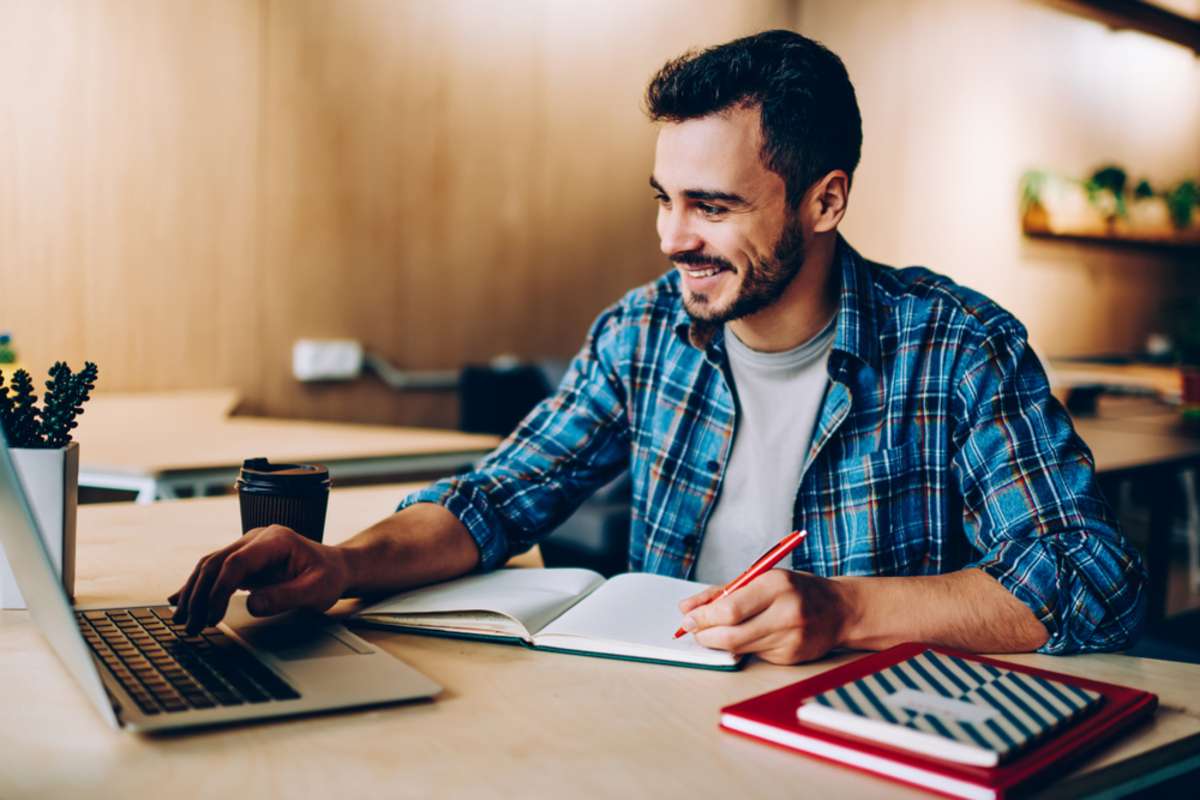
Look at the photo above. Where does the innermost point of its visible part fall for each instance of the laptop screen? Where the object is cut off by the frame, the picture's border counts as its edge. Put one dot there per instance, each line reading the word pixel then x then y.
pixel 44 595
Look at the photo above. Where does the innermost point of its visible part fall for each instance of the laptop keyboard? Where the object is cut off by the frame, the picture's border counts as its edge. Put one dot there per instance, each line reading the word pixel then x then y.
pixel 165 670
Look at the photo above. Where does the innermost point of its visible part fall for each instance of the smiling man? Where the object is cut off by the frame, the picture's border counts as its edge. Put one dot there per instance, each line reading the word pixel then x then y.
pixel 774 379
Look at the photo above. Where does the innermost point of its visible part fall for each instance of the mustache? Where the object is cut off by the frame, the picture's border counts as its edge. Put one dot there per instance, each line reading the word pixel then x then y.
pixel 699 260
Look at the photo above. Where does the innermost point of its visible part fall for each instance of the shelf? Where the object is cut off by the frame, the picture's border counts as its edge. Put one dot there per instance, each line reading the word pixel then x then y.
pixel 1035 225
pixel 1181 243
pixel 1139 16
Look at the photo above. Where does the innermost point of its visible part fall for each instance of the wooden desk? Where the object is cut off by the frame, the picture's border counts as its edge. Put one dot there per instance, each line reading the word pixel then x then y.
pixel 1165 381
pixel 1123 448
pixel 1153 448
pixel 510 723
pixel 159 444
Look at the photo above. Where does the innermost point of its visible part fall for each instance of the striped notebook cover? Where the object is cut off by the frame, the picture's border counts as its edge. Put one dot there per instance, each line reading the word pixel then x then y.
pixel 949 707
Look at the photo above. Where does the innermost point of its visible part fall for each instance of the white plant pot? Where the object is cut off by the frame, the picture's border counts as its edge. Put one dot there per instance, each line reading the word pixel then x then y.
pixel 51 481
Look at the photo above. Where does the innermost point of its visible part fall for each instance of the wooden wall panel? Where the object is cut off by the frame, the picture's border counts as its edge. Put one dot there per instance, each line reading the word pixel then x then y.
pixel 128 167
pixel 187 187
pixel 448 182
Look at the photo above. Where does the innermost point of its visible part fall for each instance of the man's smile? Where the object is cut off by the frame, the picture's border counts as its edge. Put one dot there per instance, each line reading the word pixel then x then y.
pixel 703 278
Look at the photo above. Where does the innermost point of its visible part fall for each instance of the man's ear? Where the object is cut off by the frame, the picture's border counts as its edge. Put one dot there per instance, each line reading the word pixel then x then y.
pixel 827 199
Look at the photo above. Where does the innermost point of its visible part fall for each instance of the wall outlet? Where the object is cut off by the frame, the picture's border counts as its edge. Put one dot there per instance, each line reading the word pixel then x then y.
pixel 327 359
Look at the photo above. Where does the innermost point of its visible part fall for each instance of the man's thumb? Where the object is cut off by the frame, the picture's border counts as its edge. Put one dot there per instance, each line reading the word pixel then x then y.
pixel 276 599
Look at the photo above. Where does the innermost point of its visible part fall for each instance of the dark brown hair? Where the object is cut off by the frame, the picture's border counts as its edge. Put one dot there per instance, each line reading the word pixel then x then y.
pixel 810 119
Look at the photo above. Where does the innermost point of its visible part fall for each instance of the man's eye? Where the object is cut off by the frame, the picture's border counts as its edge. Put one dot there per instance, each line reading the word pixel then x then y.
pixel 662 199
pixel 709 210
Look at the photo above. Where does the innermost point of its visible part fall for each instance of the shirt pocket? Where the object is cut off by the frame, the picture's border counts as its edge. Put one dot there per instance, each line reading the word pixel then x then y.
pixel 879 513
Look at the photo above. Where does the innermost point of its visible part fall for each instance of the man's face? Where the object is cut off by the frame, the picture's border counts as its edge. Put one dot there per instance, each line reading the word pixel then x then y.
pixel 723 218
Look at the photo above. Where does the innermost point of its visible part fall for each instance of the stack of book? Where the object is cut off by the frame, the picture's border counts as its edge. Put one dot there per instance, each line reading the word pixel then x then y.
pixel 954 723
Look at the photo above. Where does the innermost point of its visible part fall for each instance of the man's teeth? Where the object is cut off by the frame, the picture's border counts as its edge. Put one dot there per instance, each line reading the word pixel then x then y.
pixel 704 273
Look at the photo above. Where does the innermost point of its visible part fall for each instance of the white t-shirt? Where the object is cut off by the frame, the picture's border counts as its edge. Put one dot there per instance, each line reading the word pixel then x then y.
pixel 778 398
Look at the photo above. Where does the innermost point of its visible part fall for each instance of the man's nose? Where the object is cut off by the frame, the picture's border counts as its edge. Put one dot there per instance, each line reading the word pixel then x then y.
pixel 675 234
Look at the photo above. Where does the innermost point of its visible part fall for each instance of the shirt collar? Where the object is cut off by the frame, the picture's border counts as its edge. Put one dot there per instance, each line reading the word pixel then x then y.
pixel 856 312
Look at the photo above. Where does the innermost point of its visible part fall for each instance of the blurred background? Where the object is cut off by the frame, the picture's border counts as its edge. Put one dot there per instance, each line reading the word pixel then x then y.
pixel 188 189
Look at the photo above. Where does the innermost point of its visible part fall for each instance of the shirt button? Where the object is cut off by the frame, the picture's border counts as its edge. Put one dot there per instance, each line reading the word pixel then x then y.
pixel 689 541
pixel 713 466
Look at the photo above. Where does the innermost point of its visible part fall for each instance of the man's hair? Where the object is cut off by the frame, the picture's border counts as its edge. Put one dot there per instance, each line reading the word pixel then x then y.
pixel 810 119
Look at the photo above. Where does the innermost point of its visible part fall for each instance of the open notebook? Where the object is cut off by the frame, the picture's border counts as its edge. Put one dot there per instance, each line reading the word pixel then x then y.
pixel 631 616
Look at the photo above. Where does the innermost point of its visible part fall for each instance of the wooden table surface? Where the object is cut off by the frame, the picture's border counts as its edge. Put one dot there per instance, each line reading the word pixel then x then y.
pixel 150 434
pixel 1166 381
pixel 510 723
pixel 1124 445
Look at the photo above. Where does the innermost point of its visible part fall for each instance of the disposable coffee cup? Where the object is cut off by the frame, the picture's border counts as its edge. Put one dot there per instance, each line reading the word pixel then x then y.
pixel 294 495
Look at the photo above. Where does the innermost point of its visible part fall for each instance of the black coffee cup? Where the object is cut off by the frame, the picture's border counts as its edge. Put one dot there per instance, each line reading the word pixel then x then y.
pixel 295 495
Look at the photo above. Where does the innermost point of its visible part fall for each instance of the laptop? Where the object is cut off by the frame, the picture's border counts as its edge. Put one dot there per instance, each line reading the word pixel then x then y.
pixel 145 673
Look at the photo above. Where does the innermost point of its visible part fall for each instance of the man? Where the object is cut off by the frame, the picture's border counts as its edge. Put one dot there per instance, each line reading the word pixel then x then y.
pixel 774 380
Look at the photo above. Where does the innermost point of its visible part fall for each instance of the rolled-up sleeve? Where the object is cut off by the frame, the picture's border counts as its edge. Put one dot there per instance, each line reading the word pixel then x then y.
pixel 1032 507
pixel 568 446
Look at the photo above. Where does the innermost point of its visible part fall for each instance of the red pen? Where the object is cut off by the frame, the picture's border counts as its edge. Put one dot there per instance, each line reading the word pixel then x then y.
pixel 769 559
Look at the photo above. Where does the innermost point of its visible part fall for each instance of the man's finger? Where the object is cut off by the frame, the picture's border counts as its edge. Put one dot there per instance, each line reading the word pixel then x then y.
pixel 296 593
pixel 182 598
pixel 699 599
pixel 752 636
pixel 731 609
pixel 197 603
pixel 239 569
pixel 184 593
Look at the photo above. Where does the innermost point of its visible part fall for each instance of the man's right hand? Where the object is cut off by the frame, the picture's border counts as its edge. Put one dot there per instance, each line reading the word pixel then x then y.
pixel 282 569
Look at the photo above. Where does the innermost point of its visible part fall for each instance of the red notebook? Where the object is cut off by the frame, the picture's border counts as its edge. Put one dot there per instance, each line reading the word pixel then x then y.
pixel 771 717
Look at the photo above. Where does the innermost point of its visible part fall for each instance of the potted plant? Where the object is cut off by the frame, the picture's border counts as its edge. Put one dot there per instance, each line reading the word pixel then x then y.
pixel 46 460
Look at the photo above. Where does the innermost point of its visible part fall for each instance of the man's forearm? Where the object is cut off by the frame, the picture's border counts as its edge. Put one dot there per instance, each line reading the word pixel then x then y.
pixel 968 610
pixel 422 544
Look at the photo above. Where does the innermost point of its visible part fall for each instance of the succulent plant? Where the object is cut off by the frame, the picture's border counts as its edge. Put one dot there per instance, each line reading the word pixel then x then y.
pixel 25 425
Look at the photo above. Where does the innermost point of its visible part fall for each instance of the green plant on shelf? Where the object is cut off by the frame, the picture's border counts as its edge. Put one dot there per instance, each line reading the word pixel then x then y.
pixel 7 354
pixel 1181 201
pixel 1108 182
pixel 49 427
pixel 1109 202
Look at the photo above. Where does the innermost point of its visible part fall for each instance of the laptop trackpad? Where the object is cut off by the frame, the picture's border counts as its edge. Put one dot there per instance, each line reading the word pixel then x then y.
pixel 291 636
pixel 295 641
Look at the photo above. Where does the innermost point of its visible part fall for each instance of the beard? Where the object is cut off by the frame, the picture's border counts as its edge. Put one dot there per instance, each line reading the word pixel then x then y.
pixel 764 281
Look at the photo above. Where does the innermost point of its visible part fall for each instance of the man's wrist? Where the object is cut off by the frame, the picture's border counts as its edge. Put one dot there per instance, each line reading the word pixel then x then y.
pixel 849 599
pixel 345 564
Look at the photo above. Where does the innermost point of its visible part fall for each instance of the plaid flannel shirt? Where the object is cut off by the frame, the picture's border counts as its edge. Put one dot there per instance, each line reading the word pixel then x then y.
pixel 937 447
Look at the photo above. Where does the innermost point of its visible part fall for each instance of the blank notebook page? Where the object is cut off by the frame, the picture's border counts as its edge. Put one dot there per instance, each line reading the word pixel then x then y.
pixel 634 608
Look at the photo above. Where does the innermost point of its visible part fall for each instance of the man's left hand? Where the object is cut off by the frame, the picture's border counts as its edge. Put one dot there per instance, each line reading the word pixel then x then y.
pixel 784 617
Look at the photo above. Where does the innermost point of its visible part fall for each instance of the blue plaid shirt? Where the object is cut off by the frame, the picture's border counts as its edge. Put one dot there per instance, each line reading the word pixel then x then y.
pixel 937 447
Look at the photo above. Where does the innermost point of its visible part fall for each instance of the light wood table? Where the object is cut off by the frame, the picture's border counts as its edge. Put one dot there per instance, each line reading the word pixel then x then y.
pixel 1165 381
pixel 158 445
pixel 1153 449
pixel 510 723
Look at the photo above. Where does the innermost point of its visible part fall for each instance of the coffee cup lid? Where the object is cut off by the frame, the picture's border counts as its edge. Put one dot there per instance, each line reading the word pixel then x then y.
pixel 259 475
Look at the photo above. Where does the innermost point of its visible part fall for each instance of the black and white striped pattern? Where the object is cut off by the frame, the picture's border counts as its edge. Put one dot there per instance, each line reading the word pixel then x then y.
pixel 1020 707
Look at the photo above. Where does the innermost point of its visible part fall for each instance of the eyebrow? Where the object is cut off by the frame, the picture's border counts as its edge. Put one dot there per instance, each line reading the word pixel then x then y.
pixel 704 195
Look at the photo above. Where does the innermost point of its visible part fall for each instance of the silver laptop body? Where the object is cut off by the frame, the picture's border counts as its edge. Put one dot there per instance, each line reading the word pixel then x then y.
pixel 329 667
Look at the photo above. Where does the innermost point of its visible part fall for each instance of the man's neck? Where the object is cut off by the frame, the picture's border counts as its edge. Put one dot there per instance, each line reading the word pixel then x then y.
pixel 803 309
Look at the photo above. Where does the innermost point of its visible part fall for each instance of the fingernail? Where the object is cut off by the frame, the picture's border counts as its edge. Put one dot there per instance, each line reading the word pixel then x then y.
pixel 689 624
